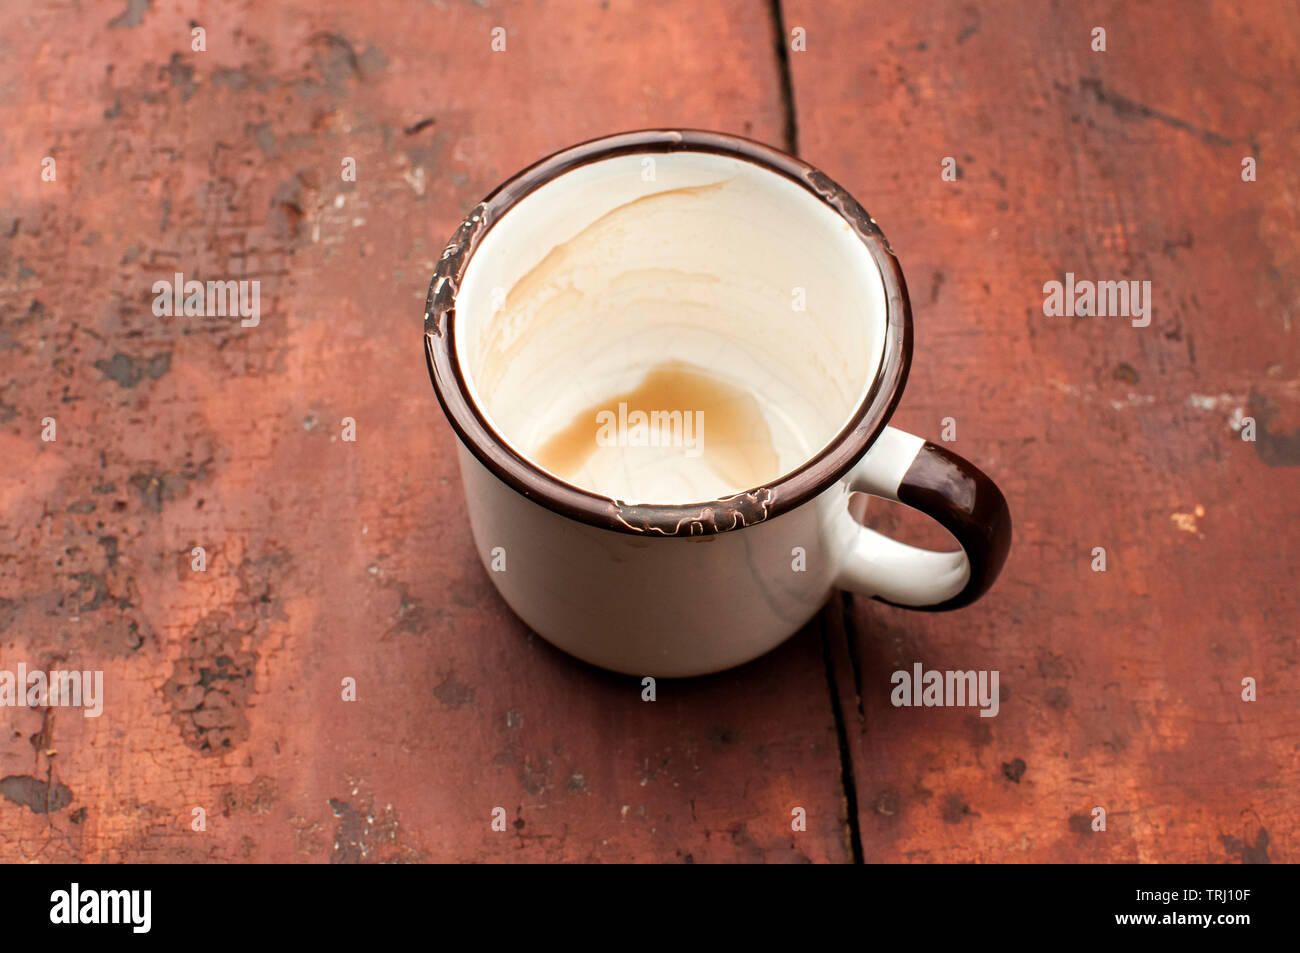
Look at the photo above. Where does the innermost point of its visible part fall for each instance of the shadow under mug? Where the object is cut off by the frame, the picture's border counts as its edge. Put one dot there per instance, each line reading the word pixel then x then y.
pixel 754 263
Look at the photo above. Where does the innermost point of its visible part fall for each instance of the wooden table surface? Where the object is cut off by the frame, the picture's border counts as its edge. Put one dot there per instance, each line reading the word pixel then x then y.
pixel 329 559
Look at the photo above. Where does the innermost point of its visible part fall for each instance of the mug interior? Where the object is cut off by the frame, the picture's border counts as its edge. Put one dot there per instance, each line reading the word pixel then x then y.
pixel 757 306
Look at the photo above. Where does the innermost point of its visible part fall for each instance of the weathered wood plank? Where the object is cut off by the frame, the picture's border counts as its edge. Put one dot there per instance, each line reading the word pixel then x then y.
pixel 328 559
pixel 1121 689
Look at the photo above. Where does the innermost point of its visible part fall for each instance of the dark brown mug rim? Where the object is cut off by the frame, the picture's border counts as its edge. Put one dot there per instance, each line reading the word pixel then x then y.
pixel 783 494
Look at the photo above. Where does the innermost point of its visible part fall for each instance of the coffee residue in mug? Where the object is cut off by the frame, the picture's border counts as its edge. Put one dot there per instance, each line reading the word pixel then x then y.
pixel 734 440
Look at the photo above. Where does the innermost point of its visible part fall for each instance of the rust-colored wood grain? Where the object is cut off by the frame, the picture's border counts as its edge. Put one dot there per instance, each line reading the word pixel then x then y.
pixel 330 559
pixel 1122 689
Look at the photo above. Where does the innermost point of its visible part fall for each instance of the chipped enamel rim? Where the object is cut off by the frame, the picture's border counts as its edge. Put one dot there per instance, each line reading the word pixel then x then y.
pixel 781 495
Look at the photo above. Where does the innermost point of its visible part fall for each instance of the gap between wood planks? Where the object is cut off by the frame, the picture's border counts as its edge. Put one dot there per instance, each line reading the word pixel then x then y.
pixel 836 619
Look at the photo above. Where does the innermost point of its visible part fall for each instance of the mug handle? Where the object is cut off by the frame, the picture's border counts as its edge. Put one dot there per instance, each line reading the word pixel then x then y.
pixel 946 488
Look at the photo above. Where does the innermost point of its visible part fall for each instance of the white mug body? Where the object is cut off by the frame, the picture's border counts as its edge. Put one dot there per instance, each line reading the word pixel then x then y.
pixel 656 605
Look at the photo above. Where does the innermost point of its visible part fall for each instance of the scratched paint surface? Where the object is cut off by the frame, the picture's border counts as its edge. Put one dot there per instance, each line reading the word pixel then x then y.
pixel 330 559
pixel 327 559
pixel 1123 688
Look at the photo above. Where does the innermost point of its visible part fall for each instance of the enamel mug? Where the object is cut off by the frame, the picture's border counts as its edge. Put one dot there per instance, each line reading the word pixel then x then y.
pixel 589 268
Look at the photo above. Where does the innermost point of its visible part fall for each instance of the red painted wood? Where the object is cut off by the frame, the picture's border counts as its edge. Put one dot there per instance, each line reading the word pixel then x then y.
pixel 1123 688
pixel 328 559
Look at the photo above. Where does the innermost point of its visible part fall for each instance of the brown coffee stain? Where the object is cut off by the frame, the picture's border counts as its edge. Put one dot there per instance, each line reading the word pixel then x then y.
pixel 735 441
pixel 549 279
